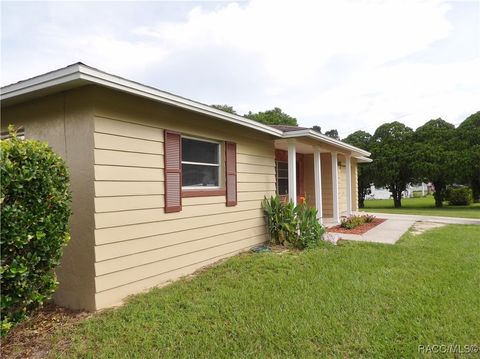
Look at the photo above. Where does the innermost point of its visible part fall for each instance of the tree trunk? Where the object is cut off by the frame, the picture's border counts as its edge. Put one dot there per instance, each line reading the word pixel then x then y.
pixel 361 202
pixel 476 189
pixel 438 195
pixel 397 202
pixel 397 198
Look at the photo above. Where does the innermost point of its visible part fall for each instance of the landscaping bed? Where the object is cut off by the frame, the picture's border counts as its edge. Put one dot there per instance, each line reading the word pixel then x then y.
pixel 32 338
pixel 361 229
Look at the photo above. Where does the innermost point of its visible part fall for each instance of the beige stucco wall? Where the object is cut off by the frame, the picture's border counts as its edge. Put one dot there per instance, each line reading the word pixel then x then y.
pixel 65 121
pixel 137 244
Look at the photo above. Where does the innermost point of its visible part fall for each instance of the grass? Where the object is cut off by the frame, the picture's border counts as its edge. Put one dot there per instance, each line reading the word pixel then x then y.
pixel 351 300
pixel 422 206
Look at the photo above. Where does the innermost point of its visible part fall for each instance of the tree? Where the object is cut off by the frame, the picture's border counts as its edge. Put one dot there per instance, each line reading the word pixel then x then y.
pixel 435 156
pixel 317 128
pixel 333 134
pixel 392 158
pixel 467 143
pixel 363 140
pixel 273 117
pixel 225 108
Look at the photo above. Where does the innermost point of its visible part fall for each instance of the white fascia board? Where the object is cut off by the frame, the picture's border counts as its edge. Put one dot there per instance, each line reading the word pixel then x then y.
pixel 50 79
pixel 362 159
pixel 327 139
pixel 118 83
pixel 83 72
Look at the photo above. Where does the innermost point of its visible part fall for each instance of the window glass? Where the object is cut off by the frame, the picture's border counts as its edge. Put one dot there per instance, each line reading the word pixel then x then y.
pixel 282 178
pixel 200 163
pixel 199 176
pixel 199 151
pixel 282 186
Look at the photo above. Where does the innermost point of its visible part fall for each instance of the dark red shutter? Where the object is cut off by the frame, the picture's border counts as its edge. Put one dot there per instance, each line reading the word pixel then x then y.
pixel 173 171
pixel 231 173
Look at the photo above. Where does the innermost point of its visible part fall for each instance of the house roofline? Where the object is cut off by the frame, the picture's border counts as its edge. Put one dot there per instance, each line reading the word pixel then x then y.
pixel 81 74
pixel 324 138
pixel 80 71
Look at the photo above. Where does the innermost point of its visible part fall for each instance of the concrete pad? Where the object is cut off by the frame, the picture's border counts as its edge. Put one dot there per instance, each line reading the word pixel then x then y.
pixel 387 232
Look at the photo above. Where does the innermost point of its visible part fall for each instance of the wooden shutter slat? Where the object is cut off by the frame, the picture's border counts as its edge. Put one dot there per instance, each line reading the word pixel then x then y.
pixel 231 173
pixel 173 171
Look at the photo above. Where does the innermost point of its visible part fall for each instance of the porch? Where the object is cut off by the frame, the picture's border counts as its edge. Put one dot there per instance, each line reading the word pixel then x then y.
pixel 319 173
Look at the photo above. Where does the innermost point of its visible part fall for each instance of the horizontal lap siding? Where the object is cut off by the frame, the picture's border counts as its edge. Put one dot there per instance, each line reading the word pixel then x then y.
pixel 327 193
pixel 342 187
pixel 138 245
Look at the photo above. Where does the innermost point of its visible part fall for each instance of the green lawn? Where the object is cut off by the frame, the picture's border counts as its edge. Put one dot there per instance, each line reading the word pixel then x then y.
pixel 421 206
pixel 352 300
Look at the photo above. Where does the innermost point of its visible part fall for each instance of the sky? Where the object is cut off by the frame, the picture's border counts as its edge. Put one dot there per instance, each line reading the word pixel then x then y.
pixel 349 65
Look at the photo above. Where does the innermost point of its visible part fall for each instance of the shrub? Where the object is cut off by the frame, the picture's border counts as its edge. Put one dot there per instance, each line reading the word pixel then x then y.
pixel 355 221
pixel 35 208
pixel 287 224
pixel 310 229
pixel 460 196
pixel 369 218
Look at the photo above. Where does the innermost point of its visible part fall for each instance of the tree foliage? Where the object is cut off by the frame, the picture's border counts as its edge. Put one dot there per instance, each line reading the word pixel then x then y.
pixel 35 209
pixel 333 134
pixel 225 108
pixel 435 156
pixel 467 143
pixel 363 140
pixel 392 158
pixel 317 128
pixel 273 117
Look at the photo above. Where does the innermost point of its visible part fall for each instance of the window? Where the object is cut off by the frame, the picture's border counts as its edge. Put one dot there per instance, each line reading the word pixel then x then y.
pixel 200 163
pixel 282 178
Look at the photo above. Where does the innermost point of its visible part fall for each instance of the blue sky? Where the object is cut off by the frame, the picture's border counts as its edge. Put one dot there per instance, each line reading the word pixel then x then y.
pixel 339 64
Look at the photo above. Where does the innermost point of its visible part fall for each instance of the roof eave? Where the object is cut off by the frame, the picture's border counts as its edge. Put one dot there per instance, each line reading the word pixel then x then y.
pixel 315 135
pixel 80 71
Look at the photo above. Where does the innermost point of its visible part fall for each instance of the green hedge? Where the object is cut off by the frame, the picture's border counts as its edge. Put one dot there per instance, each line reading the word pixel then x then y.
pixel 459 196
pixel 35 209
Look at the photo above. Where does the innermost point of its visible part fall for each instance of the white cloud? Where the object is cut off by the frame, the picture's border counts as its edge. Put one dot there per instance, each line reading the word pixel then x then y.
pixel 341 64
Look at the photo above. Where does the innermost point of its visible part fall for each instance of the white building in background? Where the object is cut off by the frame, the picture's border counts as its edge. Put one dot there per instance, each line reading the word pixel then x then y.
pixel 384 193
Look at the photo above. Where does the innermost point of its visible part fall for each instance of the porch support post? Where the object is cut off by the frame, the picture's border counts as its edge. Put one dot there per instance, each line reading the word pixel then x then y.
pixel 317 168
pixel 348 164
pixel 292 172
pixel 336 211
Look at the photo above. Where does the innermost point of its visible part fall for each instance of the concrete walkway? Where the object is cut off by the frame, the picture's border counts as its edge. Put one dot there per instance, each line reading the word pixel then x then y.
pixel 435 219
pixel 396 225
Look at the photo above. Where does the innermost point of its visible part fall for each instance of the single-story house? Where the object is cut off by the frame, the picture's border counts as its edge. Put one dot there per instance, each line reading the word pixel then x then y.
pixel 163 185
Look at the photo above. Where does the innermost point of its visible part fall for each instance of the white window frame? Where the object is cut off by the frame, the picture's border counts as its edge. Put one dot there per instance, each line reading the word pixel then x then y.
pixel 219 165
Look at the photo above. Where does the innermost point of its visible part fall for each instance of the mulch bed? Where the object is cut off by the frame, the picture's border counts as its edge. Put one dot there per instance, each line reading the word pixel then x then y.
pixel 32 338
pixel 361 229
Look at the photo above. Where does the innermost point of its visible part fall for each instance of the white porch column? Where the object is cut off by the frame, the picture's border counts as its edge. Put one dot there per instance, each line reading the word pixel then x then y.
pixel 336 210
pixel 292 172
pixel 317 169
pixel 348 164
